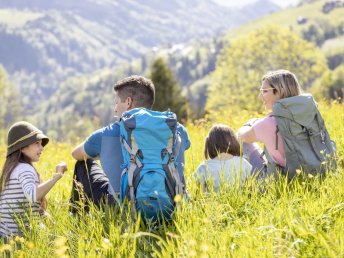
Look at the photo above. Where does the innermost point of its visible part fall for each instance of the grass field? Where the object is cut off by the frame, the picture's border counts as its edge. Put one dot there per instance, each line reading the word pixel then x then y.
pixel 304 219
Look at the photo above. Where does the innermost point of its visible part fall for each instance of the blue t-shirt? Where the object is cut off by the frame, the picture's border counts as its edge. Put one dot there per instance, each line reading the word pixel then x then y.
pixel 105 145
pixel 185 144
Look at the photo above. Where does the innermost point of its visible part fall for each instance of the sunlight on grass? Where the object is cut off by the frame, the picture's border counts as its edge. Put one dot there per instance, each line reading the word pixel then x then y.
pixel 302 219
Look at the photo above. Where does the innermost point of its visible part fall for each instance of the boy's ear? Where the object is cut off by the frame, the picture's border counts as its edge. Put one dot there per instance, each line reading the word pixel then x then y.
pixel 129 102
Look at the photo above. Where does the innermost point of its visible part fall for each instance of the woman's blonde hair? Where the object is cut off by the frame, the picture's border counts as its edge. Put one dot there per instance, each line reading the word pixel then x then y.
pixel 284 82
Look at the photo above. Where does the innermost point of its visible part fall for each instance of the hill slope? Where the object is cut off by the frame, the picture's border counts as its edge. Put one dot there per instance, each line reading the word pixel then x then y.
pixel 44 42
pixel 90 96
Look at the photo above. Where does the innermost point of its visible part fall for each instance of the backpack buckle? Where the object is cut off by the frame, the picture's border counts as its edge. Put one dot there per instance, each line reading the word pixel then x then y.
pixel 165 152
pixel 171 158
pixel 322 134
pixel 309 132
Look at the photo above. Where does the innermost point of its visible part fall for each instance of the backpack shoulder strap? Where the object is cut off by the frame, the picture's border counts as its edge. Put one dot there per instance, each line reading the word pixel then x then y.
pixel 272 166
pixel 171 168
pixel 173 149
pixel 133 170
pixel 276 133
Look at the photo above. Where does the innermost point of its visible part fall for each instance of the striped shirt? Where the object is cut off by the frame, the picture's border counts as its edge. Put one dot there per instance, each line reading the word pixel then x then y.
pixel 18 200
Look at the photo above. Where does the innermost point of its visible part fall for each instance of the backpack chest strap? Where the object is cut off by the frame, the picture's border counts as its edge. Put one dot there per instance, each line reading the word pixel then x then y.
pixel 132 152
pixel 173 179
pixel 276 141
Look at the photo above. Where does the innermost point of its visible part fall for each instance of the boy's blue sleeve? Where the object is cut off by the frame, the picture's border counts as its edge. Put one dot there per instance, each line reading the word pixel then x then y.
pixel 186 143
pixel 92 145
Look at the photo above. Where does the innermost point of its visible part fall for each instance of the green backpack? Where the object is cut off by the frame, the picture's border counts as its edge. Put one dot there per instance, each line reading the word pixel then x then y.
pixel 306 141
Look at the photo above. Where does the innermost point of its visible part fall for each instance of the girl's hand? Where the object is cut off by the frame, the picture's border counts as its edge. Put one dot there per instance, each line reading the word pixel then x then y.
pixel 61 167
pixel 45 187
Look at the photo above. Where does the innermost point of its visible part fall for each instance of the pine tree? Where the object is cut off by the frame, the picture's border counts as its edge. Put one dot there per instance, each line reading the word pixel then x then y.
pixel 168 94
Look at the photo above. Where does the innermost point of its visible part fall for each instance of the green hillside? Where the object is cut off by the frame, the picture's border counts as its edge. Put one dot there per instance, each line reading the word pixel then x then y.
pixel 333 44
pixel 325 31
pixel 88 98
pixel 288 18
pixel 46 42
pixel 192 63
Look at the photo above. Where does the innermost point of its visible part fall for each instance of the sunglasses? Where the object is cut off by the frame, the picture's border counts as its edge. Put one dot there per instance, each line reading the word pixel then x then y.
pixel 262 90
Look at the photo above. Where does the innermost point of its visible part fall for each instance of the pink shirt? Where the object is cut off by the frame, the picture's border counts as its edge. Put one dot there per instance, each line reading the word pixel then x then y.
pixel 265 130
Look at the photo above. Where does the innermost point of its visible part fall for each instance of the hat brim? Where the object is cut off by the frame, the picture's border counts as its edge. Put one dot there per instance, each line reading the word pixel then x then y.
pixel 28 141
pixel 44 138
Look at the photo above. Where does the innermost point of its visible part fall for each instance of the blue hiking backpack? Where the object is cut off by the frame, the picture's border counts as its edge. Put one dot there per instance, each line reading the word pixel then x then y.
pixel 150 181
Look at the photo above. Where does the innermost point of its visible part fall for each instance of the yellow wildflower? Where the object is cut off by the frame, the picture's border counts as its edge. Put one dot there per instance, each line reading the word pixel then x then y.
pixel 205 248
pixel 61 251
pixel 192 253
pixel 177 198
pixel 106 244
pixel 6 247
pixel 192 242
pixel 60 241
pixel 30 245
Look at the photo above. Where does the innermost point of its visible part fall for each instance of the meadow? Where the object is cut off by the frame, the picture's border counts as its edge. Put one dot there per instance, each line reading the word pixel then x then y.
pixel 301 219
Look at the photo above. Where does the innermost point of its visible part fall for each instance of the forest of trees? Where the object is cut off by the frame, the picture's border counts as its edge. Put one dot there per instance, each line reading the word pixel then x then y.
pixel 202 76
pixel 236 80
pixel 320 30
pixel 10 110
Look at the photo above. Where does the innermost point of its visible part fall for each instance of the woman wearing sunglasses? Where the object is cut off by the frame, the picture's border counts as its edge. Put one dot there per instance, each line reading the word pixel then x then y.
pixel 275 85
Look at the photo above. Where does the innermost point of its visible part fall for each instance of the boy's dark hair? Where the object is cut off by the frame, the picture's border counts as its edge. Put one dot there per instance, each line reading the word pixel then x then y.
pixel 140 89
pixel 221 139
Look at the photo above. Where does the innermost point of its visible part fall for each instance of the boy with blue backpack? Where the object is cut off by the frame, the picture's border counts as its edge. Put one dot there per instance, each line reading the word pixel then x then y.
pixel 139 154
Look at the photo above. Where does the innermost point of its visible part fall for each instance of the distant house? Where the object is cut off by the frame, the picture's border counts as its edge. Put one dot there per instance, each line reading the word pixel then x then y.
pixel 301 20
pixel 332 4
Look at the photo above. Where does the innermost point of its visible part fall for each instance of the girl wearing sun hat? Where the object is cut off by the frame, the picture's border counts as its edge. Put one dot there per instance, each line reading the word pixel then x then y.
pixel 21 191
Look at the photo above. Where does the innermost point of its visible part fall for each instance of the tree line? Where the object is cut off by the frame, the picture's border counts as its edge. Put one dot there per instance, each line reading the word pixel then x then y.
pixel 233 84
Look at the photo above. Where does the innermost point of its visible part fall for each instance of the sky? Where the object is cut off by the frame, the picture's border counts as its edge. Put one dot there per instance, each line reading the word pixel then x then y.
pixel 282 3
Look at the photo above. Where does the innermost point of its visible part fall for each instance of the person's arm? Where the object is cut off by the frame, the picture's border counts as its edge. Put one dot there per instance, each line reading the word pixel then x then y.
pixel 90 148
pixel 246 133
pixel 45 187
pixel 201 176
pixel 79 152
pixel 184 136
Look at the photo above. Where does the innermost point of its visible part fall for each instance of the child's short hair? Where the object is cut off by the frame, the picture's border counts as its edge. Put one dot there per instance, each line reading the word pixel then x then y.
pixel 221 139
pixel 284 82
pixel 140 89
